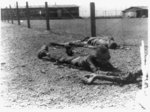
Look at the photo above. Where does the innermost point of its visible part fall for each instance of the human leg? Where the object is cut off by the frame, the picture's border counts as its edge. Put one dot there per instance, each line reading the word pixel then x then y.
pixel 125 78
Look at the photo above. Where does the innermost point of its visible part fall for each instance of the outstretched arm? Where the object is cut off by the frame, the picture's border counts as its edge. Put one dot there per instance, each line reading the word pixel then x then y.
pixel 125 78
pixel 90 78
pixel 57 44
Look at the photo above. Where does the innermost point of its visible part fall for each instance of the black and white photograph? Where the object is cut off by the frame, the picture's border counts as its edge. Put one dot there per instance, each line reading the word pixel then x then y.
pixel 74 55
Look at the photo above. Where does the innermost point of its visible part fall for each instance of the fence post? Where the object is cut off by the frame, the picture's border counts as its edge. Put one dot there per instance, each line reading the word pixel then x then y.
pixel 93 26
pixel 11 15
pixel 47 16
pixel 28 15
pixel 18 16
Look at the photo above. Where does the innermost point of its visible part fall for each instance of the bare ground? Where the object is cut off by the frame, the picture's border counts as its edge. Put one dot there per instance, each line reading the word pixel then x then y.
pixel 28 81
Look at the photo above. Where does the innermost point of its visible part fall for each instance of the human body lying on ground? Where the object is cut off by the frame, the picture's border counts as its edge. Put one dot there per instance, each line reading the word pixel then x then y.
pixel 107 41
pixel 93 63
pixel 88 42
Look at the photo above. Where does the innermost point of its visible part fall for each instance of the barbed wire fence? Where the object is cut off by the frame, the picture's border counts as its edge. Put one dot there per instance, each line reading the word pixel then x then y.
pixel 107 22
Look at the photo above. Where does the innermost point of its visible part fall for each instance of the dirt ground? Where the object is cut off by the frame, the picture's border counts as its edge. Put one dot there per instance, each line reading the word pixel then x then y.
pixel 30 82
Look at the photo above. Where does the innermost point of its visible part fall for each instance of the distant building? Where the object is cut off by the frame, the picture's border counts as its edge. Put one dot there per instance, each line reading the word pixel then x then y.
pixel 38 12
pixel 136 12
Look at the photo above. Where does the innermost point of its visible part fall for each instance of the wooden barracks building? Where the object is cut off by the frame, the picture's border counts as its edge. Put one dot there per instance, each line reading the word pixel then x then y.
pixel 38 12
pixel 136 12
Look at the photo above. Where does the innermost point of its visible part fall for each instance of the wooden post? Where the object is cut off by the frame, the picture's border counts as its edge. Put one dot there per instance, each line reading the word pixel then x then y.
pixel 18 16
pixel 11 14
pixel 28 15
pixel 143 95
pixel 47 16
pixel 93 26
pixel 143 65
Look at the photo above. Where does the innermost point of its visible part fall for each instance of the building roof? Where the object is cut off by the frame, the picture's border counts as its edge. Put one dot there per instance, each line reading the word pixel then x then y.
pixel 59 6
pixel 50 6
pixel 133 9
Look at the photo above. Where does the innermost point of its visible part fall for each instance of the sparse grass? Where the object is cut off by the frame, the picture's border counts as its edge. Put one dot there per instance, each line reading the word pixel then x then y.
pixel 41 83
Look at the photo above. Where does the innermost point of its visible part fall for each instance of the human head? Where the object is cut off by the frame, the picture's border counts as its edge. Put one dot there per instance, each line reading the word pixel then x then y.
pixel 112 45
pixel 111 38
pixel 102 54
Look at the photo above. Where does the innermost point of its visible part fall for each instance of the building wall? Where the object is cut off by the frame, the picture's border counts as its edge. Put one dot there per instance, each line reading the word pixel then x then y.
pixel 142 13
pixel 130 14
pixel 39 13
pixel 72 12
pixel 135 12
